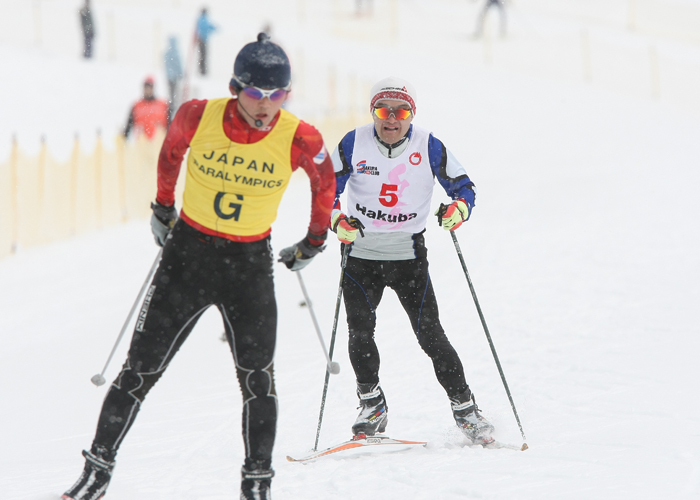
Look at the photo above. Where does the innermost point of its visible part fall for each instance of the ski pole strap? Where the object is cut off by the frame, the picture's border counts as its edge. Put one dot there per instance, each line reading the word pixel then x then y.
pixel 357 224
pixel 441 213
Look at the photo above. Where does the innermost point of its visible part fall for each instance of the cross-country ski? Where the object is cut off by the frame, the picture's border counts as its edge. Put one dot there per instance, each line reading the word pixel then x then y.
pixel 360 445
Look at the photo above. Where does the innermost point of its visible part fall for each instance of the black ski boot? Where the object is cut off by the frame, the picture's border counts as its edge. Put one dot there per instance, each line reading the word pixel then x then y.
pixel 373 411
pixel 469 419
pixel 93 482
pixel 256 476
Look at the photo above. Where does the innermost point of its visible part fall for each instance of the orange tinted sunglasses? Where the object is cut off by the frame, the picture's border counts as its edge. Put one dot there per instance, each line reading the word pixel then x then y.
pixel 384 113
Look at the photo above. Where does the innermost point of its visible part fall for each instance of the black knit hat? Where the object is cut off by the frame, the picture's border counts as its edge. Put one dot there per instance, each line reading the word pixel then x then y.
pixel 262 64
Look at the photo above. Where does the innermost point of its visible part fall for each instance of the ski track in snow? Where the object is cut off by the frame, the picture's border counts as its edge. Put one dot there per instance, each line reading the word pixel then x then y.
pixel 582 249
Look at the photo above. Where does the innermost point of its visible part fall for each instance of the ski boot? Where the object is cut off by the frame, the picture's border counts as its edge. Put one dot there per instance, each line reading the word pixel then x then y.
pixel 256 476
pixel 93 482
pixel 469 420
pixel 373 411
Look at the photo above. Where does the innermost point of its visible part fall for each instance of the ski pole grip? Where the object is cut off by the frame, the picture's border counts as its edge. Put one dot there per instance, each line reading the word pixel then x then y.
pixel 441 212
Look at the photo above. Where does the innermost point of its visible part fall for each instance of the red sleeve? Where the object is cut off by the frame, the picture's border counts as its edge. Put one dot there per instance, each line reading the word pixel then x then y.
pixel 175 145
pixel 309 153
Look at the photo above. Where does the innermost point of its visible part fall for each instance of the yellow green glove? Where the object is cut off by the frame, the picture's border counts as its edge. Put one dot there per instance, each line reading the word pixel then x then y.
pixel 454 215
pixel 343 228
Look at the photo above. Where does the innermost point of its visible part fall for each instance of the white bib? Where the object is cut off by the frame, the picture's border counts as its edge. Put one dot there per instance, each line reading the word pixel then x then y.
pixel 390 194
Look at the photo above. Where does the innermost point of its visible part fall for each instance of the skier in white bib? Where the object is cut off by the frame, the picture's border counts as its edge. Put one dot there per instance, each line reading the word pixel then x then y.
pixel 389 168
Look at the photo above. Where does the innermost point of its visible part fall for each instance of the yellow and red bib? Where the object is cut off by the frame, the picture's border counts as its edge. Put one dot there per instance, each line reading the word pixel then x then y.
pixel 236 188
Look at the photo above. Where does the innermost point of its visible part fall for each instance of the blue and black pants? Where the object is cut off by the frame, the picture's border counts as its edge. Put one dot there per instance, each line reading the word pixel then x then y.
pixel 363 287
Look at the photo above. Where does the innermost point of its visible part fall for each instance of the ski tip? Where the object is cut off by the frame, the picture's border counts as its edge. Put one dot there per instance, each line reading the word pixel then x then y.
pixel 290 459
pixel 524 447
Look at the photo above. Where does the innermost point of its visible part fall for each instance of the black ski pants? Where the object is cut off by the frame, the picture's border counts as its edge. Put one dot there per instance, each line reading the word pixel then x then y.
pixel 363 287
pixel 198 271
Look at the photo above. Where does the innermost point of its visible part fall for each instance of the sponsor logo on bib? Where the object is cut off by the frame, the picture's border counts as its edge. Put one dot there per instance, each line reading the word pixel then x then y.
pixel 415 158
pixel 363 168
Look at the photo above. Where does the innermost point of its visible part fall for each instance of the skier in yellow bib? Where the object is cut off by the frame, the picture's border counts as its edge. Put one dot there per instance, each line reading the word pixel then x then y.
pixel 217 253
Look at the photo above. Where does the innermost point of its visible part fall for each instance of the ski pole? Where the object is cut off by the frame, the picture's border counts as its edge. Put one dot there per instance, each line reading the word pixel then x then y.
pixel 333 367
pixel 99 378
pixel 346 251
pixel 441 212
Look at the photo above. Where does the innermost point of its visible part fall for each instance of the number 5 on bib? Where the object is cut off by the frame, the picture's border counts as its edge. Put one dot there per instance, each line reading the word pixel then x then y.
pixel 387 197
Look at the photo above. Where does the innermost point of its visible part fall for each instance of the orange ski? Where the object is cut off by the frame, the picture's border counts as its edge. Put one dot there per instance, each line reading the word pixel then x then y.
pixel 358 443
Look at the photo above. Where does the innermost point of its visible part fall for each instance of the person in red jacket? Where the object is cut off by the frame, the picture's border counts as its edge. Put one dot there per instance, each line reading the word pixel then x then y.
pixel 148 114
pixel 217 253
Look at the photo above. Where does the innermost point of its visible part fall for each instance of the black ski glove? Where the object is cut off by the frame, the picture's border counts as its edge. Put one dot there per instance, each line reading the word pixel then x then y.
pixel 162 221
pixel 300 255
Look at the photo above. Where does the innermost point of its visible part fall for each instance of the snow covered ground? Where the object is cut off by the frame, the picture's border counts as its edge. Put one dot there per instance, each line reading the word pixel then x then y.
pixel 583 250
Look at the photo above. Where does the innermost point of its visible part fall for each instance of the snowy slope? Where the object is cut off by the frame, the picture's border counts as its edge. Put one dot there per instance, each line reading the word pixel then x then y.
pixel 583 251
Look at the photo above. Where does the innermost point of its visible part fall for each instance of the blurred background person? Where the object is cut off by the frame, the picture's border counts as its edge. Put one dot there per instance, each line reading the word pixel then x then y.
pixel 148 114
pixel 500 5
pixel 87 26
pixel 204 29
pixel 174 74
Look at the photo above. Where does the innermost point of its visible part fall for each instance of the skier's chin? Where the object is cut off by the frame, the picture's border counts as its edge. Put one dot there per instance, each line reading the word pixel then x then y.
pixel 391 135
